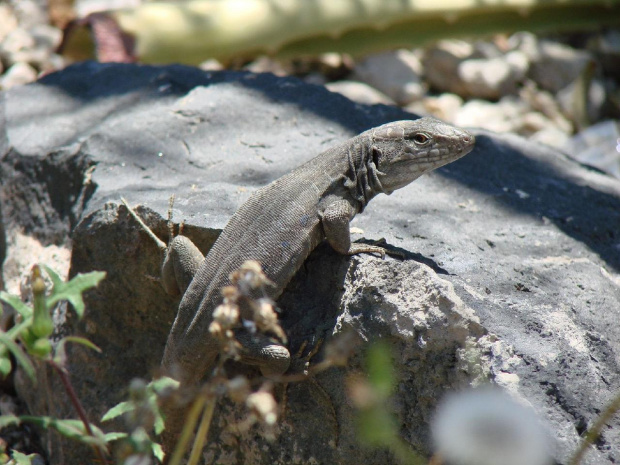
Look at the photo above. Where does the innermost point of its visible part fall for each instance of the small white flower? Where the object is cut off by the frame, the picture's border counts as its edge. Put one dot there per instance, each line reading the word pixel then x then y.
pixel 487 427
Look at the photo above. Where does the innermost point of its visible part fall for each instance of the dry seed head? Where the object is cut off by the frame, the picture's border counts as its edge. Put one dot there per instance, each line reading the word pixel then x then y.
pixel 266 318
pixel 230 293
pixel 249 275
pixel 264 406
pixel 239 389
pixel 227 315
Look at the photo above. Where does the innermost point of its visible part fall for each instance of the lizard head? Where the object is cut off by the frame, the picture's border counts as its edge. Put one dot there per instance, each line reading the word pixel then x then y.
pixel 404 150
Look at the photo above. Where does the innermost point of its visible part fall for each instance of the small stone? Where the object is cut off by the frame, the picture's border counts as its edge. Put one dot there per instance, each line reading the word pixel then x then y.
pixel 30 13
pixel 46 36
pixel 494 77
pixel 396 74
pixel 8 21
pixel 545 103
pixel 18 74
pixel 503 116
pixel 441 65
pixel 598 146
pixel 18 40
pixel 445 106
pixel 359 92
pixel 265 64
pixel 582 109
pixel 551 136
pixel 211 65
pixel 554 66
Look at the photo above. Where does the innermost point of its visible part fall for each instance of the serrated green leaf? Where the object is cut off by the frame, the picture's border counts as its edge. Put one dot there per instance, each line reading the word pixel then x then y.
pixel 158 452
pixel 22 459
pixel 72 290
pixel 15 302
pixel 109 437
pixel 118 410
pixel 20 356
pixel 8 420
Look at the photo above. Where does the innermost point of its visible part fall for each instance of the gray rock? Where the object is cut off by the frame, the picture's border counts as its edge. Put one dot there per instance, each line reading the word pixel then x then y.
pixel 597 146
pixel 444 106
pixel 474 72
pixel 441 64
pixel 554 66
pixel 511 269
pixel 494 77
pixel 503 116
pixel 396 74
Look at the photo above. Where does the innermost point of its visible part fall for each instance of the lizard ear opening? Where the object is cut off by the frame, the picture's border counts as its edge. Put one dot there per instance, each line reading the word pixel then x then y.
pixel 376 155
pixel 389 132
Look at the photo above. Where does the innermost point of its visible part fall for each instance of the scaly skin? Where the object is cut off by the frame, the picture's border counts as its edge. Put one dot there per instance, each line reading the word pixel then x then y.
pixel 280 225
pixel 284 221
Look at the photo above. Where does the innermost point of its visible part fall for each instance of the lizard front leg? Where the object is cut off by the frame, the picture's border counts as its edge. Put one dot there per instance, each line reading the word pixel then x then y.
pixel 335 220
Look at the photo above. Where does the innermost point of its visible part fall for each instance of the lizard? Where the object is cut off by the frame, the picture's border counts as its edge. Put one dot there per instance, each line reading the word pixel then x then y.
pixel 282 222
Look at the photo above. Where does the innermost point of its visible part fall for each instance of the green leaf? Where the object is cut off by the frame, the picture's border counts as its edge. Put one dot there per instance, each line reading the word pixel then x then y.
pixel 8 420
pixel 5 366
pixel 72 429
pixel 19 354
pixel 22 459
pixel 19 328
pixel 72 290
pixel 118 410
pixel 158 452
pixel 164 383
pixel 157 387
pixel 109 437
pixel 15 302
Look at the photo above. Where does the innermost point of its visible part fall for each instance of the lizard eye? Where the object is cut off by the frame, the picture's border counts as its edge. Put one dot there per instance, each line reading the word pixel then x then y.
pixel 420 138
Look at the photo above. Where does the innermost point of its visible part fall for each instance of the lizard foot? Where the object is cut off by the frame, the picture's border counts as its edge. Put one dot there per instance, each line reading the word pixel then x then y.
pixel 375 246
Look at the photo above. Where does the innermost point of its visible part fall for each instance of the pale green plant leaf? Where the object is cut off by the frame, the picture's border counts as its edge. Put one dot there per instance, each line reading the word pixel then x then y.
pixel 20 307
pixel 20 356
pixel 70 428
pixel 72 290
pixel 118 410
pixel 115 436
pixel 22 459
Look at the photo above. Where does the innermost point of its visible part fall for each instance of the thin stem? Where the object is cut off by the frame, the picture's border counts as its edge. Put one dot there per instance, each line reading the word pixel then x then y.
pixel 66 382
pixel 160 244
pixel 186 434
pixel 203 431
pixel 594 432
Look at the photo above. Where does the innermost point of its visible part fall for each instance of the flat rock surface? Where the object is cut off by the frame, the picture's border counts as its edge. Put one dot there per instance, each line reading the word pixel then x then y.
pixel 526 240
